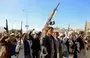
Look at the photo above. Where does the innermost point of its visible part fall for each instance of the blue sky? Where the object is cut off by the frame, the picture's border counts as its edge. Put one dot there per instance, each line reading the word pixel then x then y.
pixel 73 12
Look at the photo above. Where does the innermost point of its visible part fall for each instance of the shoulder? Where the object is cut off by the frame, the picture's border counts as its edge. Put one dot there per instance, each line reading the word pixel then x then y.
pixel 78 39
pixel 45 38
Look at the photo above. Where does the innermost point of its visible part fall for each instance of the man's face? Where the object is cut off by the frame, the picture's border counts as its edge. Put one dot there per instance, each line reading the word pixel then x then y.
pixel 57 34
pixel 45 30
pixel 35 36
pixel 88 35
pixel 70 36
pixel 50 31
pixel 12 38
pixel 82 35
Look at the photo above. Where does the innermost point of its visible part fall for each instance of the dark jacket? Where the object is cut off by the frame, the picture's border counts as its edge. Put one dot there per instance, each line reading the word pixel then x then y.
pixel 81 42
pixel 47 43
pixel 35 45
pixel 60 49
pixel 26 47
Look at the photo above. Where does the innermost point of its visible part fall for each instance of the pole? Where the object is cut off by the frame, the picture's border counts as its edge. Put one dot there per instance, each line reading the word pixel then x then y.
pixel 85 28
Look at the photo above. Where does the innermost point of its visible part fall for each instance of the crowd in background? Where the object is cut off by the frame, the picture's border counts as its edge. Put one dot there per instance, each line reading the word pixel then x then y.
pixel 47 43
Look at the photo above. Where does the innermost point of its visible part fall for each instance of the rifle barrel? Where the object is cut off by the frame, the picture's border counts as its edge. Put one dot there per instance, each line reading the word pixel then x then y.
pixel 50 18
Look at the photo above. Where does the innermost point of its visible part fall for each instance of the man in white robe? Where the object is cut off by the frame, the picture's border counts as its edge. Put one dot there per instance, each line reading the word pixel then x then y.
pixel 20 49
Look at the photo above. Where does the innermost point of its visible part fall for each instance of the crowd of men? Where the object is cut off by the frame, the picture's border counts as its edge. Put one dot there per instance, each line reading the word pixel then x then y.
pixel 47 43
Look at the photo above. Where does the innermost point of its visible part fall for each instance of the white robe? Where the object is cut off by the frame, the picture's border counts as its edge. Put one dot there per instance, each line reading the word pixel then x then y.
pixel 83 54
pixel 88 54
pixel 20 49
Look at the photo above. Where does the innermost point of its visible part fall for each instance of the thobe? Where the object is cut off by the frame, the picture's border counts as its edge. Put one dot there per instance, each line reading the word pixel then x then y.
pixel 88 51
pixel 20 49
pixel 59 48
pixel 65 47
pixel 82 48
